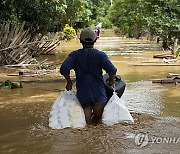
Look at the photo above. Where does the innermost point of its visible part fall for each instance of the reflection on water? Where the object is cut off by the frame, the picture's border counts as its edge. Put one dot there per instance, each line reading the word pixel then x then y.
pixel 24 112
pixel 145 99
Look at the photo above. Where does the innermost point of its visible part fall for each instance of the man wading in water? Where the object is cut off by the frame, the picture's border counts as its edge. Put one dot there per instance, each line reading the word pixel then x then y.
pixel 88 64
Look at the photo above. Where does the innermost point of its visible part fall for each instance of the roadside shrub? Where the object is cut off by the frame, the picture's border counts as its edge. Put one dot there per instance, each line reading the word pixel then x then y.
pixel 68 32
pixel 178 52
pixel 106 23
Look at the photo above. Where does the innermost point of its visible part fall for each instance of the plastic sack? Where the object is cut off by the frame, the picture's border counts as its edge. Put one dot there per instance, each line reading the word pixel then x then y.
pixel 115 111
pixel 67 112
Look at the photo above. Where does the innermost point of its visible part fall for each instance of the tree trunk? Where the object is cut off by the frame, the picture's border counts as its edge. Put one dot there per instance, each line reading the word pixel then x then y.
pixel 165 43
pixel 175 46
pixel 151 34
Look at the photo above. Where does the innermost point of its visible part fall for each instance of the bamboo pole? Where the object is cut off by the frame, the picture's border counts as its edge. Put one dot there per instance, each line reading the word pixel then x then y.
pixel 17 46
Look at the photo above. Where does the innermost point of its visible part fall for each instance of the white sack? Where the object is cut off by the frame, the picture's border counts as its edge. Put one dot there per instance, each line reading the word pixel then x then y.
pixel 115 111
pixel 67 112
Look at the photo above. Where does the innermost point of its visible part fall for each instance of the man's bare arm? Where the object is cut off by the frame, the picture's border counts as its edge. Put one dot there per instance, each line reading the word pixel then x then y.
pixel 69 82
pixel 112 79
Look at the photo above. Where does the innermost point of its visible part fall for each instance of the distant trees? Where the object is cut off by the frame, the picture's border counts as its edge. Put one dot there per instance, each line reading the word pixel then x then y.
pixel 158 17
pixel 52 15
pixel 127 16
pixel 39 15
pixel 163 19
pixel 100 9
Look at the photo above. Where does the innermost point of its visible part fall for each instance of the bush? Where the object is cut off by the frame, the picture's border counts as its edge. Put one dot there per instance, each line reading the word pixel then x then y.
pixel 106 23
pixel 69 32
pixel 117 30
pixel 178 52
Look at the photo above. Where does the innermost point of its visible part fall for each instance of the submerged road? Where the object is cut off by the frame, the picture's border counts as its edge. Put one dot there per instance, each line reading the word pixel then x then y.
pixel 156 108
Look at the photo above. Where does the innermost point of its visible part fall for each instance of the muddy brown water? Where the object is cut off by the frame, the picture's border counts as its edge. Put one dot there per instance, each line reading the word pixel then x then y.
pixel 155 107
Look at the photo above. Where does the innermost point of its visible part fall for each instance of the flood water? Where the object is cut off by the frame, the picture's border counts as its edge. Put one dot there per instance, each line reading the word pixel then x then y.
pixel 24 112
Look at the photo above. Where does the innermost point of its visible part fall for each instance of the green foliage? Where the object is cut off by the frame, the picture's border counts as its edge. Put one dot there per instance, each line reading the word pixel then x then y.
pixel 10 85
pixel 43 16
pixel 126 15
pixel 69 32
pixel 106 22
pixel 76 11
pixel 40 16
pixel 163 16
pixel 99 10
pixel 177 52
pixel 5 12
pixel 158 17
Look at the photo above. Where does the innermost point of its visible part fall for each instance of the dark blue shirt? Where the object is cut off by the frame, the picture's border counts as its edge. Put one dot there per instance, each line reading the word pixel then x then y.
pixel 88 65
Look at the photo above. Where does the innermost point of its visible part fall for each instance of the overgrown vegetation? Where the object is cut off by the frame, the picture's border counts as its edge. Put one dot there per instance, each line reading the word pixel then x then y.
pixel 178 52
pixel 43 16
pixel 69 32
pixel 10 85
pixel 39 19
pixel 158 18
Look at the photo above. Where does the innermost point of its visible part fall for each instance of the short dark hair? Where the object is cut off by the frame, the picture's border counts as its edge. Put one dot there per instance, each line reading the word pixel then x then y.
pixel 87 43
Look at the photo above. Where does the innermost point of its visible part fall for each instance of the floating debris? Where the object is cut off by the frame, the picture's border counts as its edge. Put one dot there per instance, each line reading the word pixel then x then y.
pixel 10 85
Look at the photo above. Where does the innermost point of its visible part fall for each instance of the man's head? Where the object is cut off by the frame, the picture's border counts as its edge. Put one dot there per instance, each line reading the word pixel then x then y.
pixel 87 36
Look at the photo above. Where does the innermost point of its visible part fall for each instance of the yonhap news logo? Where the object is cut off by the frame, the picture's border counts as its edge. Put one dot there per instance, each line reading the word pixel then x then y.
pixel 143 139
